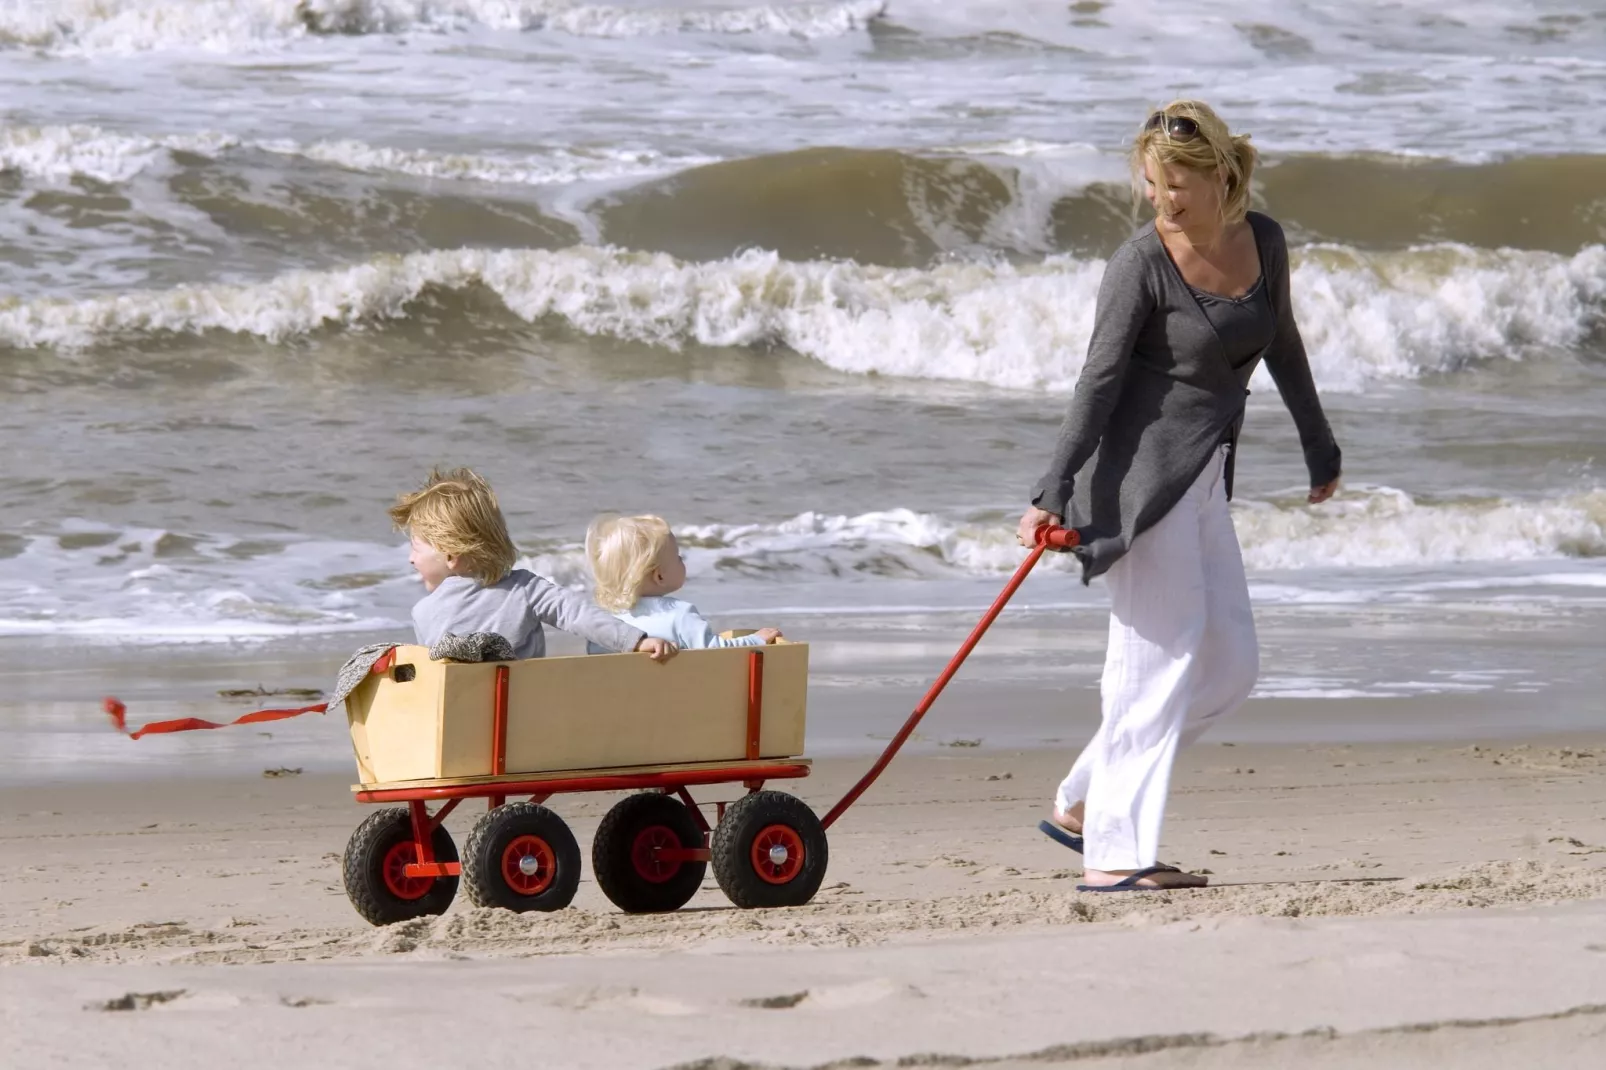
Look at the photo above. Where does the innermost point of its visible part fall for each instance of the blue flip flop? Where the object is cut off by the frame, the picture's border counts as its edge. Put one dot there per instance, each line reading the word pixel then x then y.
pixel 1130 883
pixel 1060 834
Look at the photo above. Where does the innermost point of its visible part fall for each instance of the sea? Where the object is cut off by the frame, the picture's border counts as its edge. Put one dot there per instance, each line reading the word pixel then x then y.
pixel 812 280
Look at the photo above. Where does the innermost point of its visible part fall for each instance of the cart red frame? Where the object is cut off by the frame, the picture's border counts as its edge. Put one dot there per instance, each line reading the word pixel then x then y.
pixel 752 773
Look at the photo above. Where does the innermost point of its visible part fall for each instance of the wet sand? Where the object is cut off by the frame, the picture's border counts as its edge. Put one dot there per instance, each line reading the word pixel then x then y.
pixel 1330 675
pixel 1384 904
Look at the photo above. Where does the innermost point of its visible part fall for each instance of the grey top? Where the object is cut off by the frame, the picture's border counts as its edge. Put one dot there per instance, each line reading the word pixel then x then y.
pixel 515 607
pixel 1246 325
pixel 1158 394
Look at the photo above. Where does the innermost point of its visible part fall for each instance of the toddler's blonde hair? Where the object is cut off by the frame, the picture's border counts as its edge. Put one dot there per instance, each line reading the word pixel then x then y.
pixel 456 512
pixel 623 551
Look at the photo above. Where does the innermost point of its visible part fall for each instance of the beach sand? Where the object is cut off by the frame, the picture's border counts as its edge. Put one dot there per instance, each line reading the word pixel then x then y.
pixel 1380 905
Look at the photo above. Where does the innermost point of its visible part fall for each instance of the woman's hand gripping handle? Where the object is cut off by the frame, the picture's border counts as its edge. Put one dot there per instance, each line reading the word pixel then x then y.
pixel 1039 527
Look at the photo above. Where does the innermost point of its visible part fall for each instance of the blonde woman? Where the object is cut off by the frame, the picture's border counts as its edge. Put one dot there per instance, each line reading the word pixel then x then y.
pixel 636 564
pixel 1188 309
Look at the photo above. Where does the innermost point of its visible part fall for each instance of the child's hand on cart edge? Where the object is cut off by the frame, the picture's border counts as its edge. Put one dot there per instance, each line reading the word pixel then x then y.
pixel 657 649
pixel 769 635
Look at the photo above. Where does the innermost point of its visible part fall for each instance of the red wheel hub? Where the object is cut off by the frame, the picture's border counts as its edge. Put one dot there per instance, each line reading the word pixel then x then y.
pixel 644 854
pixel 529 865
pixel 777 854
pixel 397 859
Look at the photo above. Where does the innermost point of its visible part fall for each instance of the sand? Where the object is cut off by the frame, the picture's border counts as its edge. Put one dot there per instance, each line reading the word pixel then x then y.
pixel 1393 904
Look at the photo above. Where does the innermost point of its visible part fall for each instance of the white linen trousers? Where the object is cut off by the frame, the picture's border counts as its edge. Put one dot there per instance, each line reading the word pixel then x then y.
pixel 1182 654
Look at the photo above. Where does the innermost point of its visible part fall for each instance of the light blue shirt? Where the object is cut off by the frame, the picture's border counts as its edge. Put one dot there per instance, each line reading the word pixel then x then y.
pixel 678 621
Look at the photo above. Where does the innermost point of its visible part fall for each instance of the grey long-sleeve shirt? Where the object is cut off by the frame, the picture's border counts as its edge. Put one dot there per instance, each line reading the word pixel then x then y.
pixel 1158 394
pixel 515 607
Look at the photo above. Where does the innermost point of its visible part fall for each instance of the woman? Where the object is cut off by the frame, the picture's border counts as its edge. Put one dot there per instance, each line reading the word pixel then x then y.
pixel 1187 309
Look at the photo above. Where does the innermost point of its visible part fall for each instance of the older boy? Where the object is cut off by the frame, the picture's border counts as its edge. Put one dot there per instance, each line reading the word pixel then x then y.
pixel 462 551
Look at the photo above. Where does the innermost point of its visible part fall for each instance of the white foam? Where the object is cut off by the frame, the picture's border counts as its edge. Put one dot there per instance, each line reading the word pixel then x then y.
pixel 61 152
pixel 798 20
pixel 91 579
pixel 1383 527
pixel 557 167
pixel 58 153
pixel 1384 316
pixel 1435 308
pixel 77 27
pixel 1360 529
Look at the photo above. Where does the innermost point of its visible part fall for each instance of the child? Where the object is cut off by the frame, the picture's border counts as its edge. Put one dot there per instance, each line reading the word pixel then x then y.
pixel 637 565
pixel 462 551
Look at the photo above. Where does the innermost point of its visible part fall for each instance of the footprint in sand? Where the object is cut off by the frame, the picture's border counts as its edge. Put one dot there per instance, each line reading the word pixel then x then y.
pixel 631 1000
pixel 837 997
pixel 139 1001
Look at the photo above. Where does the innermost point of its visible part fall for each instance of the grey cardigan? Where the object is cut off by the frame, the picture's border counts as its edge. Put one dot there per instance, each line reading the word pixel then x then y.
pixel 1158 395
pixel 515 607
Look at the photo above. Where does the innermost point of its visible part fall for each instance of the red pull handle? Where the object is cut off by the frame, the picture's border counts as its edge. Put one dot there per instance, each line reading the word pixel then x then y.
pixel 1052 538
pixel 1048 537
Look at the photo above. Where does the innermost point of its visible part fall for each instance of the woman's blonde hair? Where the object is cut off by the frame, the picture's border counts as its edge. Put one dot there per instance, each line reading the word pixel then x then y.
pixel 1213 150
pixel 457 513
pixel 623 552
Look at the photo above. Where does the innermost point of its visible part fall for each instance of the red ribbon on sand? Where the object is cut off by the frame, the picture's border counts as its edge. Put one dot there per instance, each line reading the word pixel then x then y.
pixel 118 713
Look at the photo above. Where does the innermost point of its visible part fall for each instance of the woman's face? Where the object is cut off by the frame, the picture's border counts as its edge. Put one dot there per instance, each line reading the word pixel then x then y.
pixel 1182 198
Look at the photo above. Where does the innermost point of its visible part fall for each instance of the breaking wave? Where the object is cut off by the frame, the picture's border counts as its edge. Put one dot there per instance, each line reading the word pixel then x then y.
pixel 58 153
pixel 874 206
pixel 88 578
pixel 126 26
pixel 1366 317
pixel 1362 528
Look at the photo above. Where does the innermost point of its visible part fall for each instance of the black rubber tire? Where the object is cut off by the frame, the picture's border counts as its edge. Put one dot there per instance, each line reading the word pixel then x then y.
pixel 363 869
pixel 613 860
pixel 764 812
pixel 488 882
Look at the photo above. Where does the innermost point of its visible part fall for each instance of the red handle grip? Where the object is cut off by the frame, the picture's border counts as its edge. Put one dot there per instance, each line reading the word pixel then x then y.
pixel 1053 538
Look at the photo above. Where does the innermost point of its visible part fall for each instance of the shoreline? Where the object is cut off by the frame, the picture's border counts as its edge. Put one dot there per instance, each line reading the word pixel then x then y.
pixel 1328 677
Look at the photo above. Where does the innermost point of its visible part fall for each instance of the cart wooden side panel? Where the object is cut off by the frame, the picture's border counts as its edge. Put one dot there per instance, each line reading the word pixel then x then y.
pixel 574 713
pixel 395 724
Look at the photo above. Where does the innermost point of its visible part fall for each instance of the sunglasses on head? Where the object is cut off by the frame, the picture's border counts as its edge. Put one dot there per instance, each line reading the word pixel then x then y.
pixel 1177 127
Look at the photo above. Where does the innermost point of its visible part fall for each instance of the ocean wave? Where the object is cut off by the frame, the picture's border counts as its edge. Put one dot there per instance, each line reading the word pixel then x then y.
pixel 127 26
pixel 1375 527
pixel 1365 316
pixel 92 578
pixel 895 208
pixel 1362 528
pixel 1029 197
pixel 60 153
pixel 88 578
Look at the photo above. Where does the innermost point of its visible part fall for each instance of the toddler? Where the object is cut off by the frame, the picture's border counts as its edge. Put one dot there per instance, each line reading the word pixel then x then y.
pixel 637 566
pixel 461 550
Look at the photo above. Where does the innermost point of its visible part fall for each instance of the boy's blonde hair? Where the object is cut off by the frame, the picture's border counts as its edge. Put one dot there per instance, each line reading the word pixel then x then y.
pixel 1214 149
pixel 623 551
pixel 457 513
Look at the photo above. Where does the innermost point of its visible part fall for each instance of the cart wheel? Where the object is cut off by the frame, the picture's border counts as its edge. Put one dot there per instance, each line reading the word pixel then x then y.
pixel 521 857
pixel 769 851
pixel 373 868
pixel 622 856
